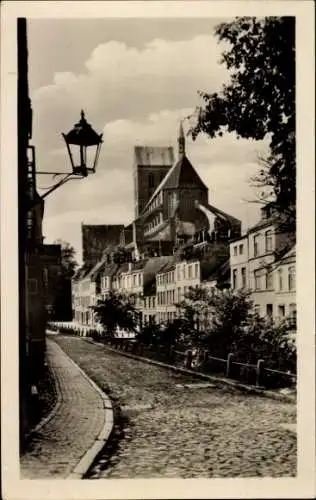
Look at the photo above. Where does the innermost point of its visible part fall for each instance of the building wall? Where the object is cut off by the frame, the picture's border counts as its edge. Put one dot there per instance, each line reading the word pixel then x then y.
pixel 172 286
pixel 166 300
pixel 239 272
pixel 285 303
pixel 84 296
pixel 260 260
pixel 149 309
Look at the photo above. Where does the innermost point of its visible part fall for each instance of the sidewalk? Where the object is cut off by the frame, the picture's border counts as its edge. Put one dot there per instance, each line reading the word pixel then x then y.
pixel 58 446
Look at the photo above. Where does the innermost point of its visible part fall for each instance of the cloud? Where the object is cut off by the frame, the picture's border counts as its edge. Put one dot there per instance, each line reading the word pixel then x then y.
pixel 122 82
pixel 136 96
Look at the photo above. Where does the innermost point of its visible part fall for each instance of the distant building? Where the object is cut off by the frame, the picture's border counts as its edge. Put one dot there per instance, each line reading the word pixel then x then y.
pixel 95 238
pixel 263 261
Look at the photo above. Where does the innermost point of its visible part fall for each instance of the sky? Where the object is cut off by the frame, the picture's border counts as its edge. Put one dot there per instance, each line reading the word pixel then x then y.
pixel 135 79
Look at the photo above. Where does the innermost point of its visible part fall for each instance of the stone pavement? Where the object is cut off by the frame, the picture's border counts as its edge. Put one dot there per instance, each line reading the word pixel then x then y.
pixel 169 425
pixel 57 447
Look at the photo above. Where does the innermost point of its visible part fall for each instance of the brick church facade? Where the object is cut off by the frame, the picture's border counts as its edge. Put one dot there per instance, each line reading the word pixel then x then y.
pixel 171 205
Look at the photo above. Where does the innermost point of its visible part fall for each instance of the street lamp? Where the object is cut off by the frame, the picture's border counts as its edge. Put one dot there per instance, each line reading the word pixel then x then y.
pixel 78 140
pixel 83 146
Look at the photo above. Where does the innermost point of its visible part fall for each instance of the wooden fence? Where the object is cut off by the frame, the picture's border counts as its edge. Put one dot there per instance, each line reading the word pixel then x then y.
pixel 257 374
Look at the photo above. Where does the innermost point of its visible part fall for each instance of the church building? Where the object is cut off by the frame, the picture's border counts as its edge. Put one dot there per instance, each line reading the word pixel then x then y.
pixel 172 209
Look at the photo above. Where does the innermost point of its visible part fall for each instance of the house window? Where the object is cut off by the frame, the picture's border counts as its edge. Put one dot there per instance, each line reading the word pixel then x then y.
pixel 257 280
pixel 178 273
pixel 235 250
pixel 280 277
pixel 281 311
pixel 184 277
pixel 241 249
pixel 179 294
pixel 291 278
pixel 292 316
pixel 190 272
pixel 243 277
pixel 268 241
pixel 256 245
pixel 269 280
pixel 270 310
pixel 196 270
pixel 234 278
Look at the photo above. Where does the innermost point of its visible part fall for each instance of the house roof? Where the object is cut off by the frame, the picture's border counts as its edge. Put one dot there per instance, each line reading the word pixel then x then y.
pixel 82 272
pixel 222 271
pixel 96 269
pixel 154 155
pixel 123 268
pixel 110 269
pixel 138 265
pixel 210 265
pixel 154 266
pixel 288 257
pixel 263 223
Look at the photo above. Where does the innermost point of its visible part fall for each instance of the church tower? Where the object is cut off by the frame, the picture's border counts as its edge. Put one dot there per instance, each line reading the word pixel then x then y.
pixel 181 142
pixel 151 164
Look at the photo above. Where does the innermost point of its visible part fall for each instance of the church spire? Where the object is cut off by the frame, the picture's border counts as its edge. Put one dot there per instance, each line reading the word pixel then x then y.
pixel 181 141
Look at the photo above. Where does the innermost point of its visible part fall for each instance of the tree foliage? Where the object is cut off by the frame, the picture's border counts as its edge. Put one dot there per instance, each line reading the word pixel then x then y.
pixel 259 100
pixel 226 322
pixel 116 311
pixel 68 261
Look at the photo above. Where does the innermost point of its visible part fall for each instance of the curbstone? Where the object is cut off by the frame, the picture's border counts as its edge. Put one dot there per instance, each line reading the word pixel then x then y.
pixel 221 381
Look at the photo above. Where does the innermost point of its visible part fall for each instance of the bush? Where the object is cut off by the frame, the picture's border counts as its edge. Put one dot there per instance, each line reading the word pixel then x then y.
pixel 231 325
pixel 149 334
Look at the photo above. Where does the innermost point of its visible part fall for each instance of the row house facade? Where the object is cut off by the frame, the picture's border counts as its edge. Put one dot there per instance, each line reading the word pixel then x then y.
pixel 263 261
pixel 172 285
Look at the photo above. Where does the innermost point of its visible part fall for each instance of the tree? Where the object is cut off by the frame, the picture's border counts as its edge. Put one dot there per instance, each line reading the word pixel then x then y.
pixel 259 100
pixel 218 317
pixel 116 310
pixel 228 323
pixel 61 306
pixel 68 261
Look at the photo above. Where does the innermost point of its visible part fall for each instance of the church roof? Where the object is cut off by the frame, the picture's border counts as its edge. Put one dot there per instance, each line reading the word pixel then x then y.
pixel 182 174
pixel 221 214
pixel 154 155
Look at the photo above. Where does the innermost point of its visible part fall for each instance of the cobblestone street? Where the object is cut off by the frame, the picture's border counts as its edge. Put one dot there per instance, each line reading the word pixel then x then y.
pixel 58 446
pixel 170 425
